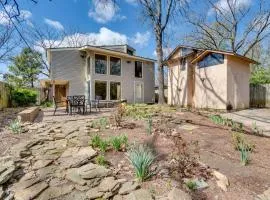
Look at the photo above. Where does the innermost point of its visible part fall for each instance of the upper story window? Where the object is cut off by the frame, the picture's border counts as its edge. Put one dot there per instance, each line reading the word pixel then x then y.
pixel 211 59
pixel 138 69
pixel 88 65
pixel 115 66
pixel 100 64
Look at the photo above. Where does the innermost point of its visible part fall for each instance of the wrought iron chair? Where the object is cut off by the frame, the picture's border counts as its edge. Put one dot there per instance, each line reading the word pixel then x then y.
pixel 77 101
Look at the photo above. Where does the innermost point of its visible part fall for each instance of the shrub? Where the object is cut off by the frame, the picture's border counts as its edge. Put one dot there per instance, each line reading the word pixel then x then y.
pixel 141 157
pixel 23 97
pixel 100 160
pixel 119 142
pixel 191 185
pixel 46 104
pixel 15 126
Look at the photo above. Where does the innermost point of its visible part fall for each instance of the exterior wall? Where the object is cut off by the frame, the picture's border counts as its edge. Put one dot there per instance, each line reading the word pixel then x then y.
pixel 69 65
pixel 177 85
pixel 210 86
pixel 238 83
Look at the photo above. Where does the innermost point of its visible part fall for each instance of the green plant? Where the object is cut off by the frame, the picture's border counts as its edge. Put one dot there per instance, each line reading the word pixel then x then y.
pixel 149 125
pixel 217 119
pixel 101 123
pixel 100 160
pixel 118 142
pixel 244 153
pixel 95 141
pixel 255 129
pixel 141 157
pixel 103 145
pixel 46 104
pixel 191 185
pixel 23 97
pixel 239 141
pixel 15 126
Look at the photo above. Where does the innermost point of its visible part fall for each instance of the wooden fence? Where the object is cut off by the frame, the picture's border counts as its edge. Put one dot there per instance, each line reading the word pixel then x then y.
pixel 260 96
pixel 4 95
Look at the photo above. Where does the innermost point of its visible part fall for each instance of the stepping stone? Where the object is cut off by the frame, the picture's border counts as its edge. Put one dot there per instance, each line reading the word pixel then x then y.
pixel 188 127
pixel 41 163
pixel 91 171
pixel 7 168
pixel 177 194
pixel 55 192
pixel 128 187
pixel 94 193
pixel 109 184
pixel 139 195
pixel 31 192
pixel 73 175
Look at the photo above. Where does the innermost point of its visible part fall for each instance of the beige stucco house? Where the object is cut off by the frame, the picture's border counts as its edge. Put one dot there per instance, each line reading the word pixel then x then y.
pixel 109 72
pixel 203 78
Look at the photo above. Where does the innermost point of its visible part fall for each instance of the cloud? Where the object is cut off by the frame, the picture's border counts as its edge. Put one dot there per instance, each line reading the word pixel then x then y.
pixel 105 36
pixel 141 39
pixel 132 2
pixel 166 52
pixel 224 7
pixel 105 11
pixel 24 15
pixel 55 24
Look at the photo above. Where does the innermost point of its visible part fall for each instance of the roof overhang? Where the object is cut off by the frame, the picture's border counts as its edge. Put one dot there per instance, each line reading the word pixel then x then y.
pixel 45 82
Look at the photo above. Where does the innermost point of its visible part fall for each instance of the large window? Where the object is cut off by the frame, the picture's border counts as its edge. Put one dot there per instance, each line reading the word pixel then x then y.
pixel 88 65
pixel 101 90
pixel 115 66
pixel 115 91
pixel 138 69
pixel 211 59
pixel 100 64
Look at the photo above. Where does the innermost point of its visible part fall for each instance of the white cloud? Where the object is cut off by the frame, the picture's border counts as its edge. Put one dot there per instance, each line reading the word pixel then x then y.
pixel 105 11
pixel 141 39
pixel 224 7
pixel 24 15
pixel 132 2
pixel 55 24
pixel 166 52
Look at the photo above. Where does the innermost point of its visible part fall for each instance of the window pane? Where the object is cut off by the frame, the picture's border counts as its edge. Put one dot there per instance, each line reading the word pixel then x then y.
pixel 138 69
pixel 88 66
pixel 211 59
pixel 101 90
pixel 100 64
pixel 115 91
pixel 115 66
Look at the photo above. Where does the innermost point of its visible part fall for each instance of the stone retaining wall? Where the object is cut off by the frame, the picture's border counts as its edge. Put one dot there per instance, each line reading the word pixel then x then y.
pixel 28 115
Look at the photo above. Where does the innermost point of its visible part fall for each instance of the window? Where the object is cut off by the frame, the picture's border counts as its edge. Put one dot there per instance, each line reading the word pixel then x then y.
pixel 115 66
pixel 115 91
pixel 138 69
pixel 101 90
pixel 211 59
pixel 88 65
pixel 138 90
pixel 100 64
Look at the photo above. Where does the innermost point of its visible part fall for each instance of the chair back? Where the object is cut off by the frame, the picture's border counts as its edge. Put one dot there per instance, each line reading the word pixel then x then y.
pixel 79 100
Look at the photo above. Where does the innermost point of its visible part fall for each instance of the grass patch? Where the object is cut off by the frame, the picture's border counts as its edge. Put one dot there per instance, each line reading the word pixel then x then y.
pixel 99 143
pixel 119 142
pixel 100 160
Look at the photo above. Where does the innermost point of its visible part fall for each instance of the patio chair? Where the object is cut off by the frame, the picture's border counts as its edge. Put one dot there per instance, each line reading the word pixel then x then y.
pixel 56 104
pixel 77 101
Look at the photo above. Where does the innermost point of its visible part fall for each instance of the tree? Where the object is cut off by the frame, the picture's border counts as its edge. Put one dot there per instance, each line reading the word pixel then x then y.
pixel 25 68
pixel 233 25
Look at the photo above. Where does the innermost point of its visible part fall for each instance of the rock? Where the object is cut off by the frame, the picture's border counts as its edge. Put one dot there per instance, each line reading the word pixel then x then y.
pixel 55 192
pixel 7 168
pixel 222 180
pixel 25 183
pixel 41 163
pixel 94 193
pixel 91 171
pixel 31 192
pixel 118 197
pixel 139 195
pixel 177 194
pixel 81 188
pixel 2 193
pixel 109 184
pixel 264 196
pixel 73 175
pixel 46 172
pixel 188 127
pixel 76 157
pixel 128 187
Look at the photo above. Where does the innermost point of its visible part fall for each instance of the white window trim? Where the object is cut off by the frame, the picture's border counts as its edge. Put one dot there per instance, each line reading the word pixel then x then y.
pixel 121 94
pixel 107 88
pixel 107 69
pixel 134 91
pixel 121 71
pixel 139 78
pixel 88 76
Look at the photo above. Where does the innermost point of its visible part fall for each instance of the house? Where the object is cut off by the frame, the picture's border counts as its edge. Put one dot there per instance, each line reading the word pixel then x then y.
pixel 204 78
pixel 109 72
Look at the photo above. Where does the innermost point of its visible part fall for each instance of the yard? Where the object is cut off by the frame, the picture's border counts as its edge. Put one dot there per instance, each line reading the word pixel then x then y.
pixel 69 157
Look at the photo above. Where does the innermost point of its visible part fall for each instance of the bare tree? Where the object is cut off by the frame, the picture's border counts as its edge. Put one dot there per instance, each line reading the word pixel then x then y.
pixel 230 25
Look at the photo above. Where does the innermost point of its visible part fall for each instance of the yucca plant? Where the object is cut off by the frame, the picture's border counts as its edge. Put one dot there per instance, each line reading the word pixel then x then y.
pixel 244 153
pixel 15 126
pixel 141 157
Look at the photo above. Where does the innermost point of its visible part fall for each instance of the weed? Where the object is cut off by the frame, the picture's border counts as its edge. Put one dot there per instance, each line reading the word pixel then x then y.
pixel 118 142
pixel 103 145
pixel 217 119
pixel 149 125
pixel 100 160
pixel 95 141
pixel 15 126
pixel 191 185
pixel 239 141
pixel 141 157
pixel 244 154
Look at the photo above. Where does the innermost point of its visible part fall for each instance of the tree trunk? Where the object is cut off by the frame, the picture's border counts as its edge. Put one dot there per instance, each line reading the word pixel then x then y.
pixel 161 98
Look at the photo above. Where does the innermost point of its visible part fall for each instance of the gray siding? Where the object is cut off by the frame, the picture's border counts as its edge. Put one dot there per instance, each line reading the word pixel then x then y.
pixel 68 65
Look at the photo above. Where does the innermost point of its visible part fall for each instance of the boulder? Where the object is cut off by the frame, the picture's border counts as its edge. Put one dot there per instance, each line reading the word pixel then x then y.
pixel 222 180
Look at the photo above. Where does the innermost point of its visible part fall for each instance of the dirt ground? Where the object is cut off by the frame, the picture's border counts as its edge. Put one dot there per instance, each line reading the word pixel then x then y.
pixel 216 150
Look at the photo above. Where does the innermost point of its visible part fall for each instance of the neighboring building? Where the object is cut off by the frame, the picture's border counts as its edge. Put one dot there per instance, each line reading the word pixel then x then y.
pixel 110 72
pixel 203 78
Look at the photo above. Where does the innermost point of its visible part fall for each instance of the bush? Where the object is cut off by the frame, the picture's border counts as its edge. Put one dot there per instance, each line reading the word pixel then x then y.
pixel 119 142
pixel 15 126
pixel 141 157
pixel 23 97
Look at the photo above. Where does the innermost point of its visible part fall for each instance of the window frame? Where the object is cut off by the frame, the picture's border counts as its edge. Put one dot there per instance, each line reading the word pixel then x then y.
pixel 134 90
pixel 107 63
pixel 88 68
pixel 99 80
pixel 135 69
pixel 120 66
pixel 120 90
